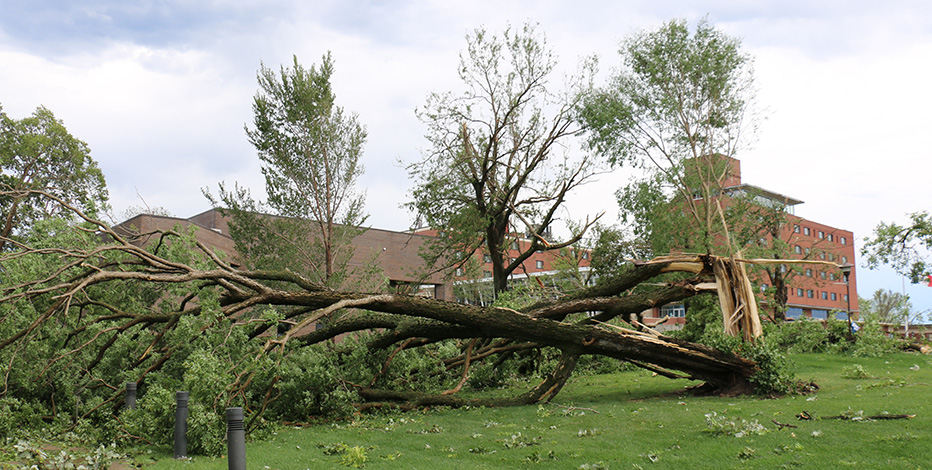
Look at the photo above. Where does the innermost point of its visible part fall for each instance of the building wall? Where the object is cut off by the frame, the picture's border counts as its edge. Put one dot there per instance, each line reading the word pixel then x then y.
pixel 820 242
pixel 396 253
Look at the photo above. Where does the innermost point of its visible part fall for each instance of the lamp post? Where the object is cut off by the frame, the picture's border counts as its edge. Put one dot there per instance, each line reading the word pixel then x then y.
pixel 846 271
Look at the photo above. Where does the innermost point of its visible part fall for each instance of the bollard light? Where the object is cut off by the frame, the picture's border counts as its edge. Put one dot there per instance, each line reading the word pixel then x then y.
pixel 236 439
pixel 181 425
pixel 130 402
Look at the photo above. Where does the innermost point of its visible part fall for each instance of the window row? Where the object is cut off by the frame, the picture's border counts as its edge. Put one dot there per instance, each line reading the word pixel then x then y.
pixel 824 295
pixel 488 259
pixel 821 234
pixel 822 254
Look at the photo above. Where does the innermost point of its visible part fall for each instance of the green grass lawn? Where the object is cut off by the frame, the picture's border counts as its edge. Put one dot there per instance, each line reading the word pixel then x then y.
pixel 632 420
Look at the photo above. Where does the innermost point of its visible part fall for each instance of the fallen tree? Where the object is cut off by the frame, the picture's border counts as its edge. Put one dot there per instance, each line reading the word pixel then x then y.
pixel 136 301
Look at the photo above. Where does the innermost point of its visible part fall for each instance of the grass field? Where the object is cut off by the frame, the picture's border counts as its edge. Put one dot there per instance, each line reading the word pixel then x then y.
pixel 634 420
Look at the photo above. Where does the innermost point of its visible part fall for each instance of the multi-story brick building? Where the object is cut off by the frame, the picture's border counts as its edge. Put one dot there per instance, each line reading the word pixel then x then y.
pixel 817 290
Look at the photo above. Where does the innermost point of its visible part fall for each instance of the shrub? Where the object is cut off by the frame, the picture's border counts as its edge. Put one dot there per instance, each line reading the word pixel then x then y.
pixel 854 371
pixel 17 415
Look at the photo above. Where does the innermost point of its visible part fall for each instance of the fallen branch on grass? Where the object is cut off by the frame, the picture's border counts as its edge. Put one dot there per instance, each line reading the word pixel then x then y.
pixel 865 418
pixel 781 425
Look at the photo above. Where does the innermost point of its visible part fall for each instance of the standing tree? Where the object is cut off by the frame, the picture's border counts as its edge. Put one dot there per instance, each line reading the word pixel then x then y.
pixel 678 109
pixel 38 154
pixel 887 306
pixel 499 161
pixel 903 247
pixel 680 103
pixel 310 151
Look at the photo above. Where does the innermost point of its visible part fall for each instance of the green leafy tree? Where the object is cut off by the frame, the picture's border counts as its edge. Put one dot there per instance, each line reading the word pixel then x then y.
pixel 498 164
pixel 887 306
pixel 310 150
pixel 38 153
pixel 612 249
pixel 681 102
pixel 679 109
pixel 905 248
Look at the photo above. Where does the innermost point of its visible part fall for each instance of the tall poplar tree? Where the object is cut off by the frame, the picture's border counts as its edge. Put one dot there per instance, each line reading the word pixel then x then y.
pixel 310 150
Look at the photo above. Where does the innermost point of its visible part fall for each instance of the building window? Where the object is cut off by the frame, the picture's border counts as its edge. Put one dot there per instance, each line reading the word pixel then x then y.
pixel 846 297
pixel 824 295
pixel 763 287
pixel 487 258
pixel 796 229
pixel 585 254
pixel 539 264
pixel 514 245
pixel 806 231
pixel 798 249
pixel 834 296
pixel 799 292
pixel 821 255
pixel 673 310
pixel 822 274
pixel 844 259
pixel 808 272
pixel 459 271
pixel 844 241
pixel 831 276
pixel 821 234
pixel 782 268
pixel 808 250
pixel 810 293
pixel 831 237
pixel 831 256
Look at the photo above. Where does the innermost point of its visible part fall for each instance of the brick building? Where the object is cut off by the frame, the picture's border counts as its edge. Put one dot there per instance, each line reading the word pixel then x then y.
pixel 395 252
pixel 813 290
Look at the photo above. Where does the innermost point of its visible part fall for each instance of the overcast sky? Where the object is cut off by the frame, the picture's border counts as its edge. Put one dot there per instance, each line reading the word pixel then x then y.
pixel 161 90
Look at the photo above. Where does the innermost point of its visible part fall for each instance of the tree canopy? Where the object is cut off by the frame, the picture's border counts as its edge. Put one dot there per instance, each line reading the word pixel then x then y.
pixel 905 248
pixel 37 153
pixel 679 108
pixel 886 306
pixel 498 166
pixel 310 150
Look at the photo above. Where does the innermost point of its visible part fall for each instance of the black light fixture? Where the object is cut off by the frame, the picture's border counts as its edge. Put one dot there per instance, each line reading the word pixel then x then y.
pixel 846 271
